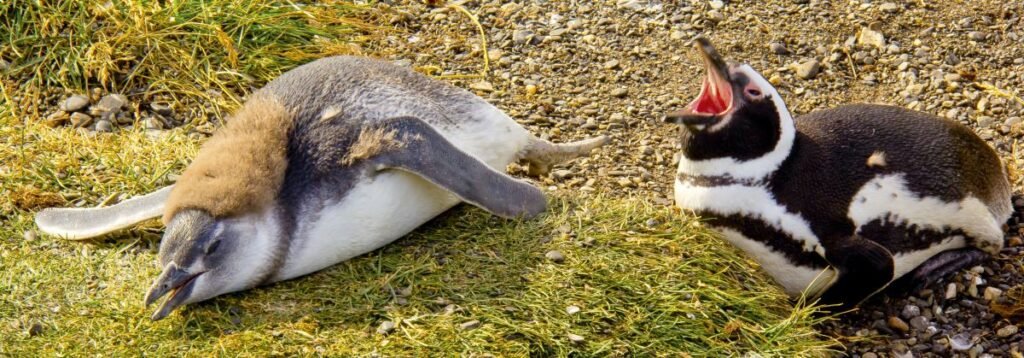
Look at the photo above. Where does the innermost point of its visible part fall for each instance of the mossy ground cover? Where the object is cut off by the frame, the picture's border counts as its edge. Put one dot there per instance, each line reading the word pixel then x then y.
pixel 642 279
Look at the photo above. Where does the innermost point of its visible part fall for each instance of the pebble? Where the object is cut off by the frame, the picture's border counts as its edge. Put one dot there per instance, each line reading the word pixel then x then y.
pixel 153 123
pixel 483 86
pixel 79 119
pixel 910 311
pixel 161 108
pixel 555 256
pixel 961 342
pixel 808 69
pixel 75 103
pixel 992 293
pixel 104 126
pixel 778 48
pixel 4 65
pixel 716 4
pixel 572 309
pixel 386 327
pixel 1007 331
pixel 919 323
pixel 977 36
pixel 56 119
pixel 898 324
pixel 889 7
pixel 465 326
pixel 522 36
pixel 109 103
pixel 619 92
pixel 29 235
pixel 871 36
pixel 576 339
pixel 869 355
pixel 950 291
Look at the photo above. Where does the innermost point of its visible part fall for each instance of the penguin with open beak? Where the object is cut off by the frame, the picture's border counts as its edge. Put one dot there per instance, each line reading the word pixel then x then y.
pixel 839 203
pixel 331 160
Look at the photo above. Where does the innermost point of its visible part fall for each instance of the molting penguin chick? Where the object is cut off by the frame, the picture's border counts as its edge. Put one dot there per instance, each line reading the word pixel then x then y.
pixel 331 160
pixel 838 203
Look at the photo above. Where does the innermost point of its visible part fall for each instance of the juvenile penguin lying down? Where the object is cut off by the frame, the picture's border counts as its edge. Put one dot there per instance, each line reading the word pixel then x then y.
pixel 842 202
pixel 331 160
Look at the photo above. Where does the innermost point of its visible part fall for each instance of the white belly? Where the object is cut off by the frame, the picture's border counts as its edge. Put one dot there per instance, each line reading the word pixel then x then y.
pixel 793 279
pixel 383 207
pixel 376 211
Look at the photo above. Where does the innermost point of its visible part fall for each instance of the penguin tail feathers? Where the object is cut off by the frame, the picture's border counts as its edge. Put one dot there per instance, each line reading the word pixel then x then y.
pixel 541 154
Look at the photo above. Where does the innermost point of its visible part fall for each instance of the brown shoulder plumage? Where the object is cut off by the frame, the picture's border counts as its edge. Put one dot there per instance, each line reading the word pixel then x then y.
pixel 241 167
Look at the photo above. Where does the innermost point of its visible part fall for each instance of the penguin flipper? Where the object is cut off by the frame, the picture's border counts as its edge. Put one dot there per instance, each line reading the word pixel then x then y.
pixel 409 144
pixel 85 223
pixel 865 268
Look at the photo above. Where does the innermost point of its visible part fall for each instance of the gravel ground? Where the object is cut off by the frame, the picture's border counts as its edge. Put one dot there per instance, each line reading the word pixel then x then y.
pixel 572 69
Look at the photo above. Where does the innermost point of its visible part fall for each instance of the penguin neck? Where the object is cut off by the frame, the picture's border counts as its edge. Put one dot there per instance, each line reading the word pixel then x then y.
pixel 746 169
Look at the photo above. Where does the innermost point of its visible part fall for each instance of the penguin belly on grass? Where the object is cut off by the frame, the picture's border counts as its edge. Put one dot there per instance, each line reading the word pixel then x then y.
pixel 840 203
pixel 331 160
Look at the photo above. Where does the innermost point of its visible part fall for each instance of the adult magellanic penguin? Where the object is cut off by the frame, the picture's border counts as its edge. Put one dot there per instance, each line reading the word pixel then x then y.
pixel 331 160
pixel 838 203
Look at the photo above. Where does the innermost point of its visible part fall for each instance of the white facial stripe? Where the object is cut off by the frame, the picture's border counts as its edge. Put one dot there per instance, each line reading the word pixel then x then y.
pixel 793 279
pixel 754 202
pixel 889 195
pixel 754 168
pixel 908 261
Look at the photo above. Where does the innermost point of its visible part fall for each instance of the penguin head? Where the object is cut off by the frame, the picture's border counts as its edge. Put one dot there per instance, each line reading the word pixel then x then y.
pixel 737 114
pixel 203 256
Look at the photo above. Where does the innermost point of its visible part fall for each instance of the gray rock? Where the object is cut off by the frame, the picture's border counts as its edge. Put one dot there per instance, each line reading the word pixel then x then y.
pixel 465 326
pixel 75 103
pixel 716 4
pixel 482 86
pixel 110 103
pixel 619 92
pixel 79 119
pixel 961 342
pixel 386 327
pixel 104 126
pixel 611 64
pixel 910 311
pixel 555 256
pixel 561 174
pixel 522 36
pixel 919 323
pixel 977 36
pixel 778 48
pixel 808 69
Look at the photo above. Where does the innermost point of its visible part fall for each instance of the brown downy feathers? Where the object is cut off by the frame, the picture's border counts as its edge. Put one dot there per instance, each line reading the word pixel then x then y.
pixel 241 168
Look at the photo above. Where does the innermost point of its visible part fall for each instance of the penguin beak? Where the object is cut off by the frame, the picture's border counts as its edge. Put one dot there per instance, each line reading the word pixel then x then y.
pixel 176 281
pixel 715 98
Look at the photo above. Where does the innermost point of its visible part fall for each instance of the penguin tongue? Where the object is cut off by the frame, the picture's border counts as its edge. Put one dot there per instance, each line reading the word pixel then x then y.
pixel 715 97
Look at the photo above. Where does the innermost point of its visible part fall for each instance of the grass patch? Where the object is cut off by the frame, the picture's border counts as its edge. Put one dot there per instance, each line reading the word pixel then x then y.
pixel 665 290
pixel 197 49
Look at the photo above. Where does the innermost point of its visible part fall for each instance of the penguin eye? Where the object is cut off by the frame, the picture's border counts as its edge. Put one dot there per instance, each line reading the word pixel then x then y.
pixel 753 92
pixel 213 247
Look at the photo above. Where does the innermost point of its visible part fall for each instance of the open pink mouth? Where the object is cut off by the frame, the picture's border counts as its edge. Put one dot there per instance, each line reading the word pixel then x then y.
pixel 715 95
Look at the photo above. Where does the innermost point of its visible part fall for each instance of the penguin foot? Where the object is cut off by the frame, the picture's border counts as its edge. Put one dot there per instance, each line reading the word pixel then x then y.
pixel 937 267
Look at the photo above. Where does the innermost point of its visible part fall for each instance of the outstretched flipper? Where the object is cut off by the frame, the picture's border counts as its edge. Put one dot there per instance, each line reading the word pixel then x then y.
pixel 938 267
pixel 85 223
pixel 864 266
pixel 409 144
